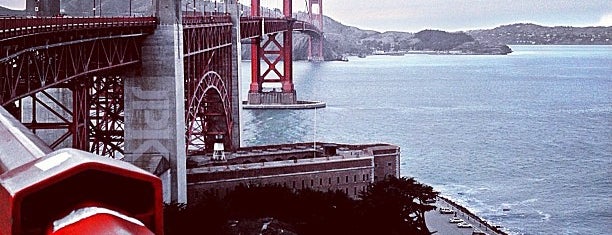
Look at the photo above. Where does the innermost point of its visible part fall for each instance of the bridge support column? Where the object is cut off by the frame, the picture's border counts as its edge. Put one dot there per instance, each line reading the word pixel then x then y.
pixel 236 78
pixel 272 52
pixel 155 104
pixel 315 45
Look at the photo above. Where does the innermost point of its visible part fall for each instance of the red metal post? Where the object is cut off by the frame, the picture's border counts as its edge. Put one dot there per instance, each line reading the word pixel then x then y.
pixel 287 79
pixel 80 116
pixel 255 53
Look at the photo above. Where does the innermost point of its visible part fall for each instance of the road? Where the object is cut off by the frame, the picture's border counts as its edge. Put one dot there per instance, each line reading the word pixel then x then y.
pixel 439 222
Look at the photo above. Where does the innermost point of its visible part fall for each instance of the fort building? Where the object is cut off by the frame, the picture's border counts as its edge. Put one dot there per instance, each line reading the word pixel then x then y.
pixel 318 166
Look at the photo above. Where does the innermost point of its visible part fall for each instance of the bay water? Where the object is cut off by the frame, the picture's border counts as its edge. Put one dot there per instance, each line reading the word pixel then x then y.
pixel 523 140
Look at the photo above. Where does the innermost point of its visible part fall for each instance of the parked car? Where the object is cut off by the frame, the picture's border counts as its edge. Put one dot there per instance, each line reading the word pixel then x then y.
pixel 464 225
pixel 478 232
pixel 455 220
pixel 497 226
pixel 445 210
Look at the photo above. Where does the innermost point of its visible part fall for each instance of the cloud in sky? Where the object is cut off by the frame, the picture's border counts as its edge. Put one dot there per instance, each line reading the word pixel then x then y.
pixel 606 20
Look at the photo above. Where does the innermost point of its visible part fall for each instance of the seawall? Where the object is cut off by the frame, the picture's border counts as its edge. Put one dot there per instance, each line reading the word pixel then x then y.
pixel 473 216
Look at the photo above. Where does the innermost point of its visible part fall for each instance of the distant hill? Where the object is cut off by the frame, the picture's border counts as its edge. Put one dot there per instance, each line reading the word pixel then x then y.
pixel 348 40
pixel 532 34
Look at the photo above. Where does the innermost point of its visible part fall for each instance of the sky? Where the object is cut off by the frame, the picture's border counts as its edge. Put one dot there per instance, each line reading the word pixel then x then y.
pixel 449 15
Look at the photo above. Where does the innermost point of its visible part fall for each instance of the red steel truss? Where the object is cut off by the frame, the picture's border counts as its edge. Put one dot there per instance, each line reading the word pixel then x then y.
pixel 76 56
pixel 106 117
pixel 91 113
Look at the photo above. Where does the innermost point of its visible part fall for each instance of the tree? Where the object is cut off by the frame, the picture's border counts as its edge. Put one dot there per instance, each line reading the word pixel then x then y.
pixel 397 205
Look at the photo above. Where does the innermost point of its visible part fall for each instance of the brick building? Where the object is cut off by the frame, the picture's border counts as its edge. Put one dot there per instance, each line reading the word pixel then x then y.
pixel 327 166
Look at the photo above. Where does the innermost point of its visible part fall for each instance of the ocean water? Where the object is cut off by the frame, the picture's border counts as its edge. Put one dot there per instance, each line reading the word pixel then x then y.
pixel 523 140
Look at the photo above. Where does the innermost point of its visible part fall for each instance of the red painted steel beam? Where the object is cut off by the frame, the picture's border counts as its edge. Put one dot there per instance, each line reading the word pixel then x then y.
pixel 287 79
pixel 80 116
pixel 256 79
pixel 16 27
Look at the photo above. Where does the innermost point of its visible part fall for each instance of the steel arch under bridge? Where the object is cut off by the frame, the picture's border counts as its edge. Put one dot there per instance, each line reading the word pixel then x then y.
pixel 208 72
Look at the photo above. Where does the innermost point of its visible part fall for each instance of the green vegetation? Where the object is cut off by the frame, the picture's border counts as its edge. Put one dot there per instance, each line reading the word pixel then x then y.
pixel 440 41
pixel 391 206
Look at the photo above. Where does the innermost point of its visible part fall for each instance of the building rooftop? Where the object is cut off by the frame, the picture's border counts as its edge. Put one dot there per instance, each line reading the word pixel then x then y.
pixel 282 155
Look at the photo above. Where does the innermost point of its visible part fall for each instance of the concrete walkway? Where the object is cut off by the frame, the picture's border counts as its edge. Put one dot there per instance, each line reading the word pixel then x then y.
pixel 439 223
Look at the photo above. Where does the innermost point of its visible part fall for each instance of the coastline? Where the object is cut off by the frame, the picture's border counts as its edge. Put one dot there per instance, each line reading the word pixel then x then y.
pixel 472 215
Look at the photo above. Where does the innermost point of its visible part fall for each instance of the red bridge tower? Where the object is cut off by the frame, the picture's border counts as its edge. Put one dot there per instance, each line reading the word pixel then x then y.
pixel 315 17
pixel 272 52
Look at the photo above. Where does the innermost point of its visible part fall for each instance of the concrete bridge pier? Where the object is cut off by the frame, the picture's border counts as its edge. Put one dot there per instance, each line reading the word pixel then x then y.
pixel 234 10
pixel 155 106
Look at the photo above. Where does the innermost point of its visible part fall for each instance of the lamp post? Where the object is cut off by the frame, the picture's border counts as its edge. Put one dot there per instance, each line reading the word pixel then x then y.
pixel 37 8
pixel 130 7
pixel 94 8
pixel 187 4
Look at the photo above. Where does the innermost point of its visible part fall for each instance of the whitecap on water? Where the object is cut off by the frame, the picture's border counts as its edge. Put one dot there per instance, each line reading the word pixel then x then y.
pixel 545 216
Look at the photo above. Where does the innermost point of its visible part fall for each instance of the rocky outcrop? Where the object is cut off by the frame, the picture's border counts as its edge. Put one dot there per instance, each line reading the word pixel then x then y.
pixel 437 40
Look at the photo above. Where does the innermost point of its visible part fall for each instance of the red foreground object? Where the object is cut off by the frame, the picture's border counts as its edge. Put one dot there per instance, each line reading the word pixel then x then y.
pixel 36 194
pixel 103 224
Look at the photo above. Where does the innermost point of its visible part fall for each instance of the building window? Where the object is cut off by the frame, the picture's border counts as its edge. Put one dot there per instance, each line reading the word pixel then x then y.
pixel 294 184
pixel 355 178
pixel 355 191
pixel 388 163
pixel 320 181
pixel 347 179
pixel 302 183
pixel 329 180
pixel 363 177
pixel 311 183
